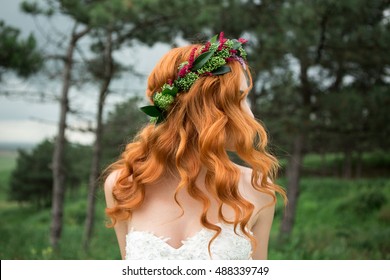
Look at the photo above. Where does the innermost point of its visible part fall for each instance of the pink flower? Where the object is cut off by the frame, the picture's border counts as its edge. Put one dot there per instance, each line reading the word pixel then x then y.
pixel 242 40
pixel 206 47
pixel 170 82
pixel 184 70
pixel 233 51
pixel 222 41
pixel 192 56
pixel 229 59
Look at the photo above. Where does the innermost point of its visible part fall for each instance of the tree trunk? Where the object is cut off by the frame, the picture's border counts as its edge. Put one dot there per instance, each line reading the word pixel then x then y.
pixel 58 156
pixel 97 147
pixel 59 172
pixel 293 176
pixel 295 162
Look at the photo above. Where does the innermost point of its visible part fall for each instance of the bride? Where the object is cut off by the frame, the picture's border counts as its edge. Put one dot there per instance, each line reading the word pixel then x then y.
pixel 174 193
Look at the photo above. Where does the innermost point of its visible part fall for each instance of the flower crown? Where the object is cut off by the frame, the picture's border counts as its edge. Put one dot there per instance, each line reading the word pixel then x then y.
pixel 210 61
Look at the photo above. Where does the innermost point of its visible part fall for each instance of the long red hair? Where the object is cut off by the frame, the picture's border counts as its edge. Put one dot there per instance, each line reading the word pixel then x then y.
pixel 195 133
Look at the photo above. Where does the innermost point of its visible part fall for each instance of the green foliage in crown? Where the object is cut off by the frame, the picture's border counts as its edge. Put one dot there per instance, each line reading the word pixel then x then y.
pixel 211 60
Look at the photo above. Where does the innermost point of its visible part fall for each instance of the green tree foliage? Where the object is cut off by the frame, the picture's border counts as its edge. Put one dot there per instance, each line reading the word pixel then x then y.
pixel 121 126
pixel 32 180
pixel 17 54
pixel 336 52
pixel 330 68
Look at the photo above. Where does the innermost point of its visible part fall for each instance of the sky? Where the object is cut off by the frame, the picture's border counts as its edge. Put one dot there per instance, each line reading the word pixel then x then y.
pixel 25 118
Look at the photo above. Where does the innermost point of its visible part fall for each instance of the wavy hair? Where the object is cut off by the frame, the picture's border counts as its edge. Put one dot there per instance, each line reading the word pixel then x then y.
pixel 194 135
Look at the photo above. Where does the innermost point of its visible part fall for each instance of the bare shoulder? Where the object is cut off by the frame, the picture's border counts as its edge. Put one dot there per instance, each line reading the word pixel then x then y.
pixel 110 181
pixel 261 220
pixel 109 184
pixel 120 226
pixel 248 190
pixel 259 199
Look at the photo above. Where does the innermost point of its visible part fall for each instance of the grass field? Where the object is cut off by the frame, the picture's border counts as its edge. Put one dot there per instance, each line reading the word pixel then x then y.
pixel 336 219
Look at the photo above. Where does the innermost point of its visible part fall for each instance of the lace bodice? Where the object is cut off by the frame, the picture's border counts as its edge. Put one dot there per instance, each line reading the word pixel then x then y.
pixel 144 245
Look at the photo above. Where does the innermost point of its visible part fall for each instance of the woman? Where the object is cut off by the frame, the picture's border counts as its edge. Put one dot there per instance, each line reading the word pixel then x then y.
pixel 174 193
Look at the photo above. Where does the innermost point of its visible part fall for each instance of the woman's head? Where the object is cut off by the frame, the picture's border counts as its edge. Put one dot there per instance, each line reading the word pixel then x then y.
pixel 201 123
pixel 181 68
pixel 215 105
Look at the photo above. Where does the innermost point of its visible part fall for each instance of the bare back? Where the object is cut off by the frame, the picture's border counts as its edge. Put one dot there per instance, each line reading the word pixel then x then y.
pixel 161 215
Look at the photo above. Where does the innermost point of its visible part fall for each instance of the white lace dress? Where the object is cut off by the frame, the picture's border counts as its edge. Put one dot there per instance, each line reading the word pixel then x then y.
pixel 144 245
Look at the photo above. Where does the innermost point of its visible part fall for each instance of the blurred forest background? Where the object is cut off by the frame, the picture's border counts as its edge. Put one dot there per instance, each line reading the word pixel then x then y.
pixel 321 72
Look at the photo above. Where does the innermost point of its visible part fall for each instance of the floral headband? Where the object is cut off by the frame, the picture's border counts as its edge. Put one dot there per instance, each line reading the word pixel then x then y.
pixel 211 60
